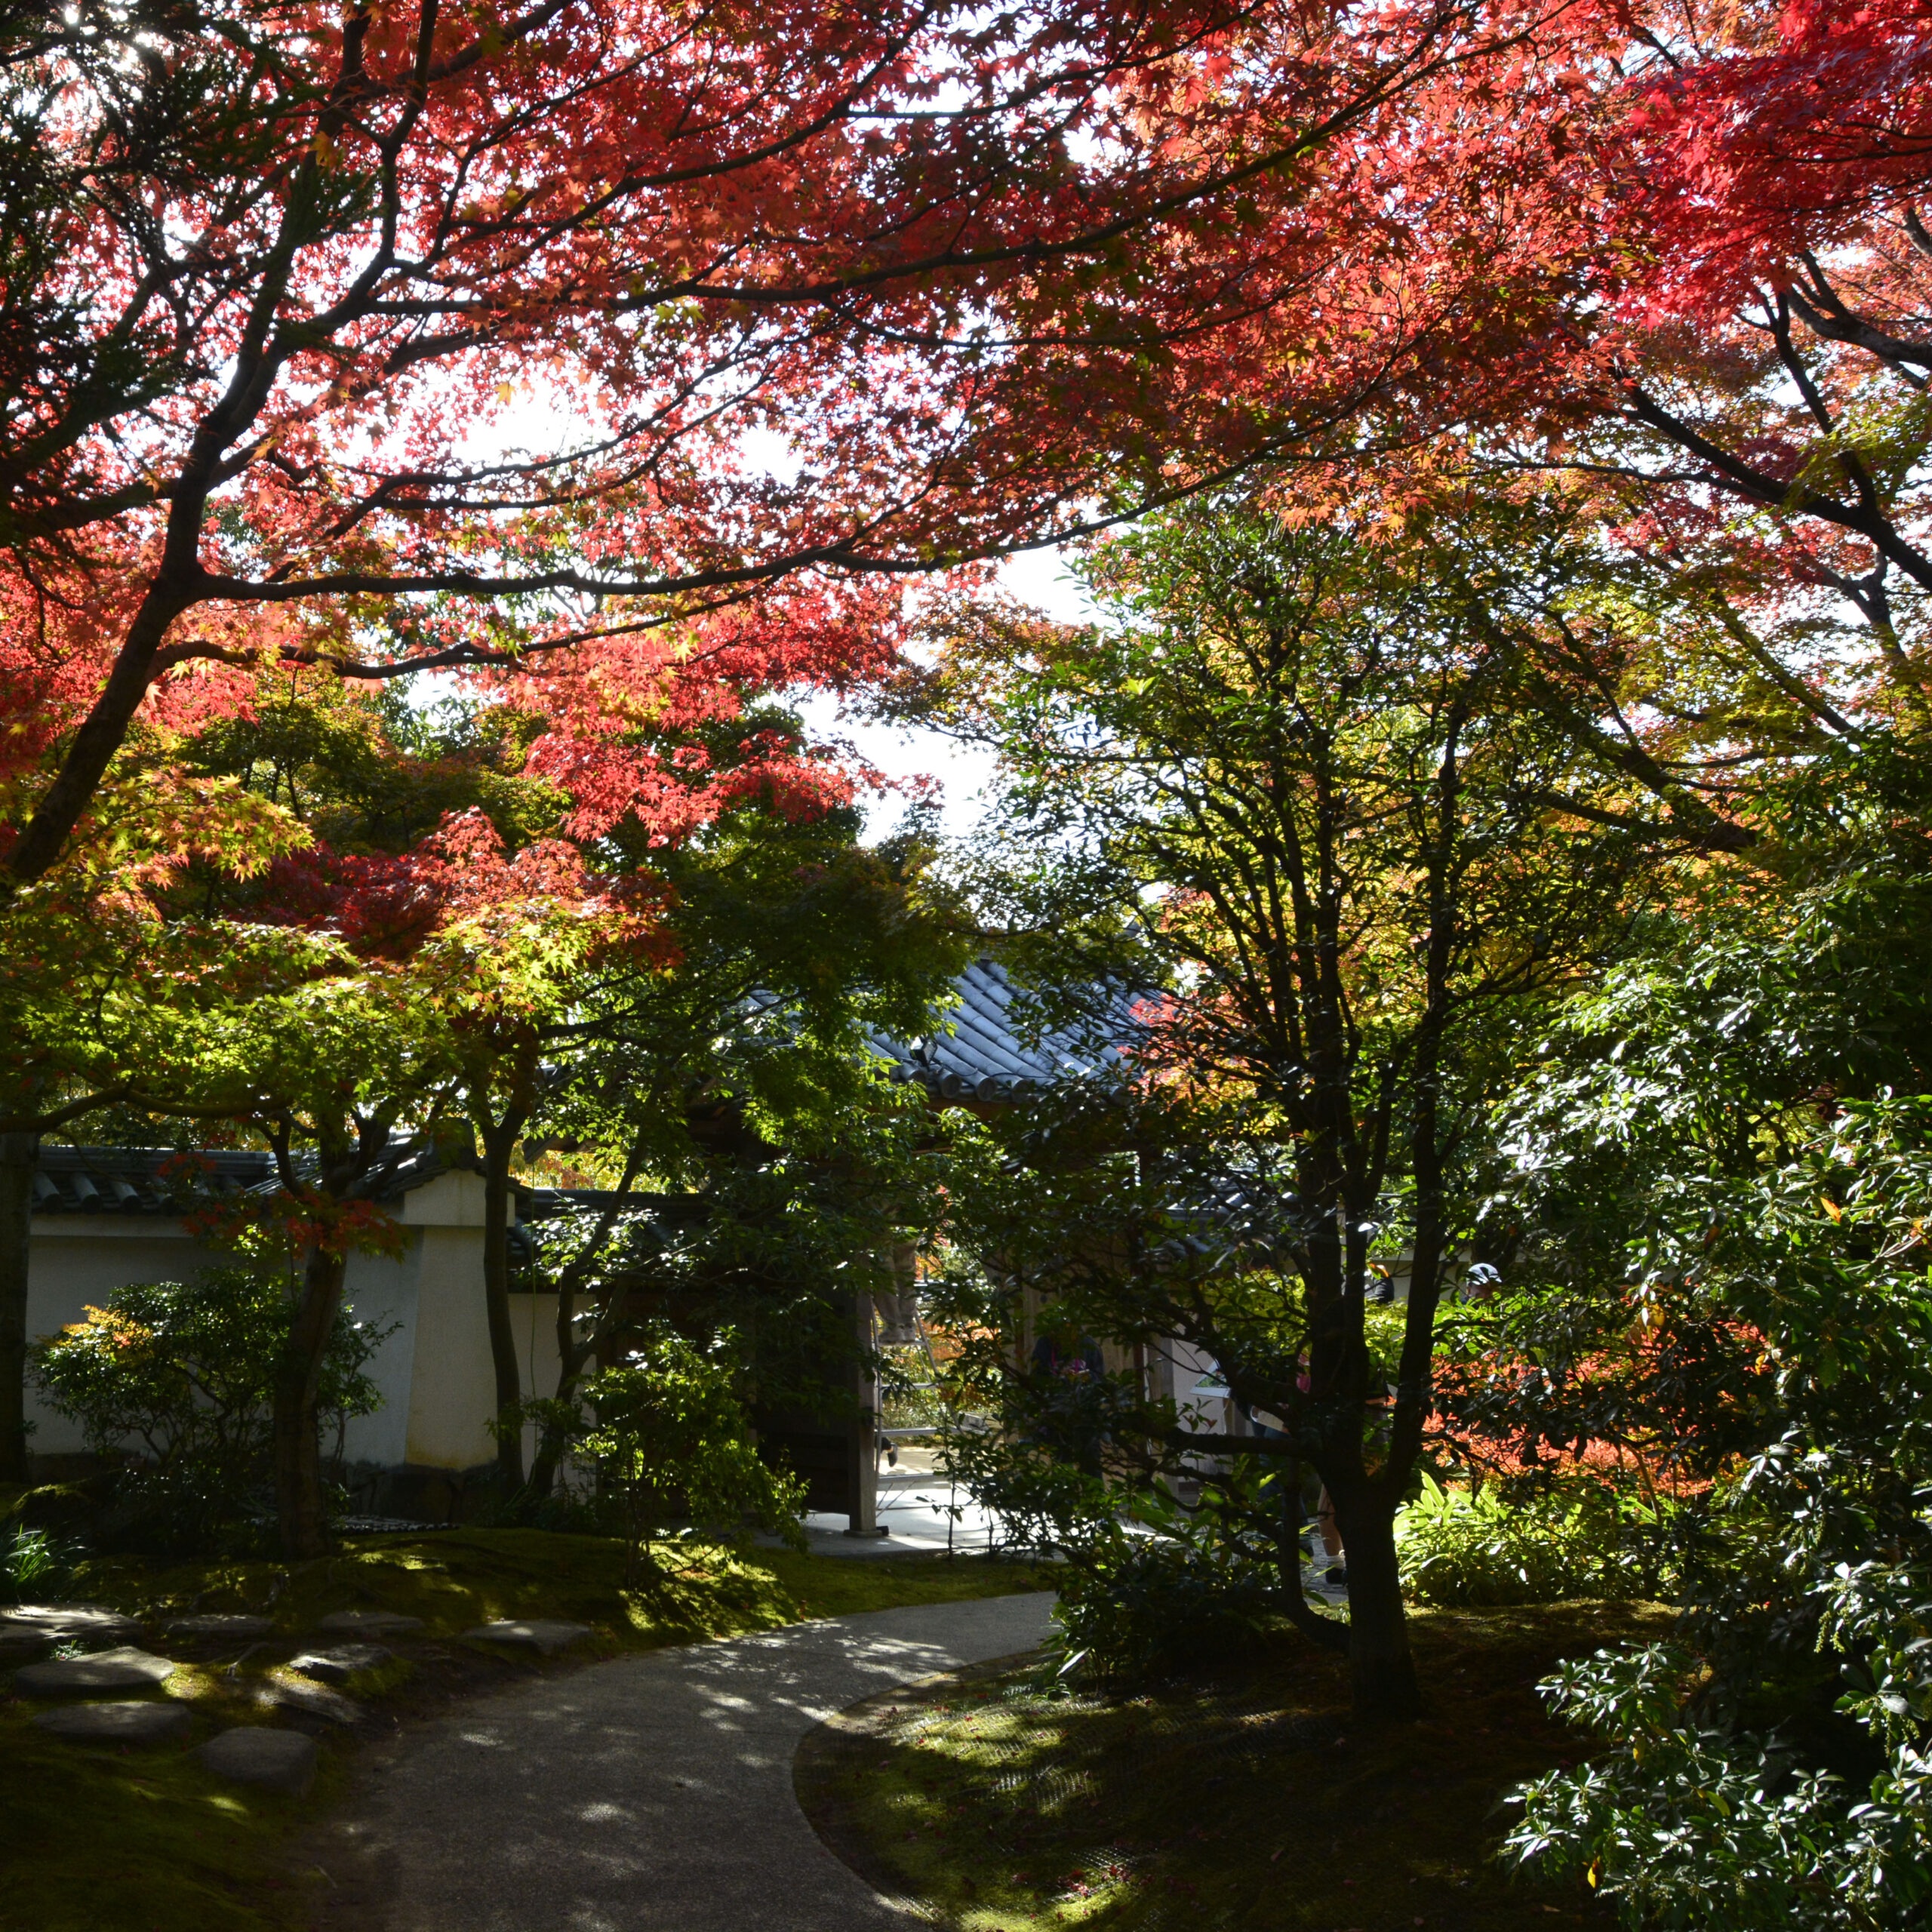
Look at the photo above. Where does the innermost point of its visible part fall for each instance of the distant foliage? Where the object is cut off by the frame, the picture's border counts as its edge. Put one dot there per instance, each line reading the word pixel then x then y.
pixel 179 1376
pixel 1463 1547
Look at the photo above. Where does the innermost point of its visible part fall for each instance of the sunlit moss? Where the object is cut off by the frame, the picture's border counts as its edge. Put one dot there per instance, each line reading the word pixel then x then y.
pixel 1250 1803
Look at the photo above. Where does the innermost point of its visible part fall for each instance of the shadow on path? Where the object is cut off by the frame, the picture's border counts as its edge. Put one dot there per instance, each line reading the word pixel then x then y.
pixel 650 1794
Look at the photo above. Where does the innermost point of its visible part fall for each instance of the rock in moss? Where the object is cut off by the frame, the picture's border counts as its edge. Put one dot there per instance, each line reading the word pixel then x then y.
pixel 536 1633
pixel 67 1623
pixel 282 1761
pixel 368 1623
pixel 341 1661
pixel 151 1722
pixel 106 1670
pixel 223 1625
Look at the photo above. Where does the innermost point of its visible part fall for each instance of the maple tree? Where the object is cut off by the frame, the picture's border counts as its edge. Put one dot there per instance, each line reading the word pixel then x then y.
pixel 1285 784
pixel 1704 221
pixel 389 339
pixel 401 338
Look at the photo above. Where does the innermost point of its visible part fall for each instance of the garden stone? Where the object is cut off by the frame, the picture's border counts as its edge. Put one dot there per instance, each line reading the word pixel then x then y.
pixel 369 1623
pixel 147 1723
pixel 105 1670
pixel 339 1665
pixel 215 1625
pixel 540 1633
pixel 281 1761
pixel 69 1623
pixel 280 1690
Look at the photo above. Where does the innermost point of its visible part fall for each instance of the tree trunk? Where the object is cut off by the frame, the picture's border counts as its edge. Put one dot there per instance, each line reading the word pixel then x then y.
pixel 18 1153
pixel 498 1144
pixel 573 1358
pixel 574 1351
pixel 298 1449
pixel 1381 1668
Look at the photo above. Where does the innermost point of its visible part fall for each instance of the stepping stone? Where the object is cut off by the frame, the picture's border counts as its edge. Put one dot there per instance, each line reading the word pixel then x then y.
pixel 69 1623
pixel 369 1623
pixel 106 1670
pixel 147 1723
pixel 276 1760
pixel 222 1625
pixel 278 1691
pixel 538 1633
pixel 339 1665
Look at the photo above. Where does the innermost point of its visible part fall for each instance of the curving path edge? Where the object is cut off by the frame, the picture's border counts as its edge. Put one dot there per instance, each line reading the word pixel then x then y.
pixel 649 1793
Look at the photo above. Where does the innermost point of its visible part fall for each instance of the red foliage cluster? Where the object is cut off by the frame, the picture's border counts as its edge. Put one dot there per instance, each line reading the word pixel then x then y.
pixel 1816 126
pixel 1669 1400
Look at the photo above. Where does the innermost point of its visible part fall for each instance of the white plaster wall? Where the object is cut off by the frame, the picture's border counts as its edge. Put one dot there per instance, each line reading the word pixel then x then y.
pixel 435 1373
pixel 76 1261
pixel 533 1318
pixel 382 1290
pixel 453 1388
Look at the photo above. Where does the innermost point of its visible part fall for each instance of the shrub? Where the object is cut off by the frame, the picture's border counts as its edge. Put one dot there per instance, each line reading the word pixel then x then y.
pixel 1463 1549
pixel 182 1373
pixel 671 1440
pixel 1689 1820
pixel 1136 1607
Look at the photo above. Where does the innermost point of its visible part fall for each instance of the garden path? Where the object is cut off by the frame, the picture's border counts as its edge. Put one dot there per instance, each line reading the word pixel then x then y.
pixel 649 1793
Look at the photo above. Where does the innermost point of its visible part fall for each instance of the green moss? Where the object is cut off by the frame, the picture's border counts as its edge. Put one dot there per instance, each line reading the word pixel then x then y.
pixel 137 1840
pixel 455 1580
pixel 1003 1805
pixel 124 1840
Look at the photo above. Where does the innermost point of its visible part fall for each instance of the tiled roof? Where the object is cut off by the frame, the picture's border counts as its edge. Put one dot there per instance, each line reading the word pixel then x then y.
pixel 163 1180
pixel 991 1046
pixel 986 1046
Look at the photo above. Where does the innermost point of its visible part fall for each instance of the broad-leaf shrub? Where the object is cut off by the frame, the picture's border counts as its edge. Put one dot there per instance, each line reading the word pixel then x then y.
pixel 1135 1606
pixel 670 1440
pixel 176 1379
pixel 1771 1770
pixel 1508 1543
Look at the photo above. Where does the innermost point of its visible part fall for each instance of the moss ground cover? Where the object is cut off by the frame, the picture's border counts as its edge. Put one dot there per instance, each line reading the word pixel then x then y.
pixel 124 1840
pixel 999 1805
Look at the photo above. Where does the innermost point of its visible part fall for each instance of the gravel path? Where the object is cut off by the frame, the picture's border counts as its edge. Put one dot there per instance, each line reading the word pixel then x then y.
pixel 651 1793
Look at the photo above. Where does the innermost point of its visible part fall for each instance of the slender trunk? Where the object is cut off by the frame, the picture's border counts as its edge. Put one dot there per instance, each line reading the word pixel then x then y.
pixel 1381 1668
pixel 572 1357
pixel 1330 1632
pixel 298 1451
pixel 574 1351
pixel 18 1153
pixel 499 1142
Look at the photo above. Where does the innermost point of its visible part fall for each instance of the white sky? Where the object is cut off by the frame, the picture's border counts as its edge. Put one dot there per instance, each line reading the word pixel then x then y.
pixel 1037 578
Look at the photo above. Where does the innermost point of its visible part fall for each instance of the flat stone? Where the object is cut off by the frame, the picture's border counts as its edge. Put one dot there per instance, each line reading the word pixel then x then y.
pixel 280 1690
pixel 70 1623
pixel 538 1633
pixel 338 1665
pixel 105 1670
pixel 276 1760
pixel 150 1722
pixel 21 1646
pixel 369 1623
pixel 214 1624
